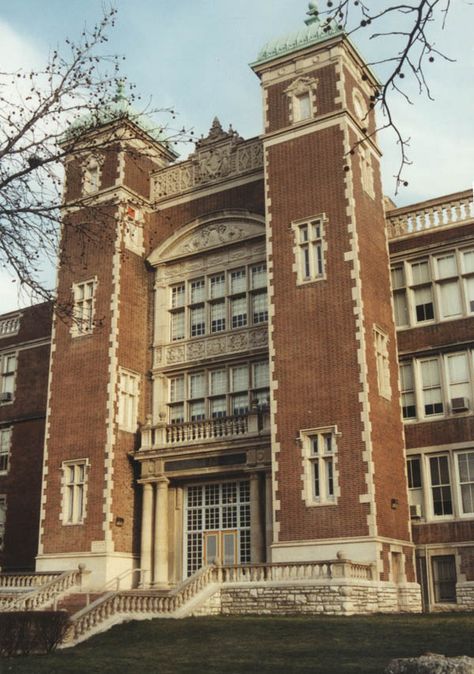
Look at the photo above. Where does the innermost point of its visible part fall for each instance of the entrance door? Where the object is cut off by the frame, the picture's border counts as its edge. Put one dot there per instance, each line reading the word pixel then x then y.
pixel 220 547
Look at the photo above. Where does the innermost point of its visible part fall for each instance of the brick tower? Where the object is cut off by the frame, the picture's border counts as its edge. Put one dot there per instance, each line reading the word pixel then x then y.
pixel 99 352
pixel 337 441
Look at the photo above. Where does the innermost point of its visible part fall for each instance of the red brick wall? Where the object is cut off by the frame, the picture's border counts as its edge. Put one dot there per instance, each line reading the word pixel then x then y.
pixel 467 562
pixel 443 532
pixel 314 337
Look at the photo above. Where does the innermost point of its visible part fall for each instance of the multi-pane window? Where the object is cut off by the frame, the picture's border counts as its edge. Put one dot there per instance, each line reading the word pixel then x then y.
pixel 320 450
pixel 219 302
pixel 438 287
pixel 8 365
pixel 437 385
pixel 5 445
pixel 75 479
pixel 223 509
pixel 218 392
pixel 383 369
pixel 444 578
pixel 465 461
pixel 441 485
pixel 407 391
pixel 128 401
pixel 431 383
pixel 83 313
pixel 3 519
pixel 309 250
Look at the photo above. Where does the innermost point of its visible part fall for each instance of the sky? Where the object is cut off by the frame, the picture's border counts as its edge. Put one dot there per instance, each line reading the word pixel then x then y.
pixel 193 56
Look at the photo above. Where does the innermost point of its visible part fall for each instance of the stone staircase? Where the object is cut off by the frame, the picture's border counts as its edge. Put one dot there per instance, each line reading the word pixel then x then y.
pixel 37 591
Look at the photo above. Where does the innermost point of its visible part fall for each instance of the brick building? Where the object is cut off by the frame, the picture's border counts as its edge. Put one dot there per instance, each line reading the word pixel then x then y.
pixel 229 387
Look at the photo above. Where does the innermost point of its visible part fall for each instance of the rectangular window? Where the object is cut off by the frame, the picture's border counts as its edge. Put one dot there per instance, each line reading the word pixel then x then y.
pixel 302 107
pixel 470 294
pixel 238 281
pixel 414 472
pixel 420 272
pixel 259 276
pixel 321 455
pixel 176 389
pixel 444 578
pixel 83 312
pixel 197 410
pixel 217 286
pixel 178 296
pixel 401 308
pixel 450 299
pixel 408 391
pixel 458 377
pixel 446 266
pixel 240 378
pixel 239 312
pixel 198 291
pixel 466 481
pixel 218 382
pixel 259 308
pixel 197 385
pixel 3 519
pixel 430 376
pixel 198 321
pixel 441 486
pixel 218 407
pixel 240 404
pixel 217 316
pixel 177 326
pixel 260 375
pixel 5 446
pixel 8 366
pixel 383 370
pixel 177 413
pixel 74 475
pixel 309 250
pixel 423 298
pixel 128 401
pixel 398 277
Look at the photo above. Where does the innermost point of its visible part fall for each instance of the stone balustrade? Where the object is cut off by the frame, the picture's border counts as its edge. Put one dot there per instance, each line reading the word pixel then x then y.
pixel 159 602
pixel 453 209
pixel 197 432
pixel 9 326
pixel 26 580
pixel 48 592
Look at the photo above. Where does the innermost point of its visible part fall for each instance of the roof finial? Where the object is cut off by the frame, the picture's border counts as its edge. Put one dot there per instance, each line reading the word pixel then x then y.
pixel 313 13
pixel 120 94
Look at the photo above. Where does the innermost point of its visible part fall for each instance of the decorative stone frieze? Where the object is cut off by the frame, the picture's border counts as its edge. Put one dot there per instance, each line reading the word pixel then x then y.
pixel 212 346
pixel 228 157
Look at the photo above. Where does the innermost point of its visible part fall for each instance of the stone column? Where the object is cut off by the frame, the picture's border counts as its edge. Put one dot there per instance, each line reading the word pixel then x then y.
pixel 268 515
pixel 160 567
pixel 147 518
pixel 256 533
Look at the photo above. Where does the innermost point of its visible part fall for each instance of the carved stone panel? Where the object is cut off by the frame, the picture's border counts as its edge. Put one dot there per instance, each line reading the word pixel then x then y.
pixel 216 346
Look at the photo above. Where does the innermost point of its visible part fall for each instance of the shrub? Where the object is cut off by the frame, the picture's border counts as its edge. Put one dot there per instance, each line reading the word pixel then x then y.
pixel 24 632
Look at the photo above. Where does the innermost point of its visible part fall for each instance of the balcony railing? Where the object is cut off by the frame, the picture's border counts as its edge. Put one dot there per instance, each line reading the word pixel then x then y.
pixel 453 209
pixel 196 432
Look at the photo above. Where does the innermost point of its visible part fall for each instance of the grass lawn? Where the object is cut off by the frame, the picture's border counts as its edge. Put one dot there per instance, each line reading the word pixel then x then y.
pixel 234 645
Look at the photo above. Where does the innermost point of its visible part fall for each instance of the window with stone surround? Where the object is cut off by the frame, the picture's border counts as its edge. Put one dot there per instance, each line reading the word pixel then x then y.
pixel 309 249
pixel 223 391
pixel 219 302
pixel 320 474
pixel 382 361
pixel 5 447
pixel 436 287
pixel 74 491
pixel 442 385
pixel 302 99
pixel 8 367
pixel 128 400
pixel 84 307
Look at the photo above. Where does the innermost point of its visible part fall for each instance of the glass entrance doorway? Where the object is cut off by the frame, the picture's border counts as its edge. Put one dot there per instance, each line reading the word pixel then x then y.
pixel 217 524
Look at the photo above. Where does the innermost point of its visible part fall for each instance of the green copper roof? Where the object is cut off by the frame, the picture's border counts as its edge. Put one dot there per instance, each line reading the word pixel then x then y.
pixel 315 31
pixel 118 108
